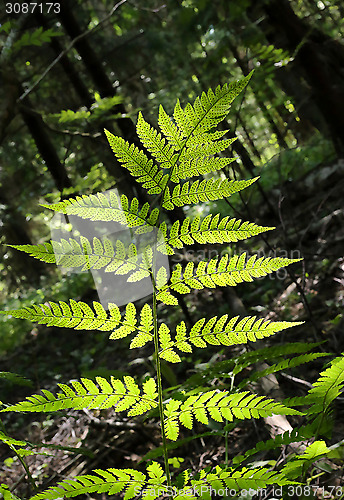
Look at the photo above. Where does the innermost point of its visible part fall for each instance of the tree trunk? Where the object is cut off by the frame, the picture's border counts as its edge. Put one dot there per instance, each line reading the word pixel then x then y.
pixel 15 233
pixel 46 149
pixel 320 58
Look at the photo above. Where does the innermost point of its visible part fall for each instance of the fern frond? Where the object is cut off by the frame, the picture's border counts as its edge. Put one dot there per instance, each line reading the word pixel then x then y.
pixel 267 354
pixel 209 230
pixel 81 316
pixel 162 151
pixel 199 166
pixel 218 332
pixel 100 254
pixel 205 190
pixel 146 172
pixel 86 394
pixel 4 438
pixel 43 252
pixel 285 364
pixel 6 493
pixel 110 481
pixel 229 367
pixel 295 436
pixel 245 479
pixel 197 151
pixel 299 464
pixel 220 272
pixel 220 406
pixel 328 387
pixel 109 207
pixel 208 110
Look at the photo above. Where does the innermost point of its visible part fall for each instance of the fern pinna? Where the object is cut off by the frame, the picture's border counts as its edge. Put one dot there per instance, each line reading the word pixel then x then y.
pixel 183 148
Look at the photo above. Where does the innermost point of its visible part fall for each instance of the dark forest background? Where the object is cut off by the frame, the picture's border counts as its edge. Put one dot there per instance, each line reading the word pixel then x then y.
pixel 66 76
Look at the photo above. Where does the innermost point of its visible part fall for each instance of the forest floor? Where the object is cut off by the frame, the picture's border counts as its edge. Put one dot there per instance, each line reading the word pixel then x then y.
pixel 309 218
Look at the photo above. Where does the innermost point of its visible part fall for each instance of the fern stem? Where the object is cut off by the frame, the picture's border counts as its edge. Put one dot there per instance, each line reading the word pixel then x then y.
pixel 21 460
pixel 159 383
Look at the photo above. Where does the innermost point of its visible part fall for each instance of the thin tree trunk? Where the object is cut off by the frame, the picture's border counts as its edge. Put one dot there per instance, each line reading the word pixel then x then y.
pixel 37 128
pixel 14 230
pixel 321 59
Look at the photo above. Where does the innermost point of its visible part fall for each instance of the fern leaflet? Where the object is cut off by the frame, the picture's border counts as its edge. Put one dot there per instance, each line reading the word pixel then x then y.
pixel 80 316
pixel 327 388
pixel 205 190
pixel 217 332
pixel 155 143
pixel 199 166
pixel 219 272
pixel 285 364
pixel 220 406
pixel 86 394
pixel 138 164
pixel 109 207
pixel 109 481
pixel 209 230
pixel 296 435
pixel 245 479
pixel 208 110
pixel 100 254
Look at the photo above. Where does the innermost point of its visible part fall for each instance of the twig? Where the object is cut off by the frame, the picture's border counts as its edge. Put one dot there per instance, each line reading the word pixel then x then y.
pixel 67 49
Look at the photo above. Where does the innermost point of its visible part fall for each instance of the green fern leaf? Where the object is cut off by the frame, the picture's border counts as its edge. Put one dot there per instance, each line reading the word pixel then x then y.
pixel 234 365
pixel 209 230
pixel 296 435
pixel 327 388
pixel 222 272
pixel 4 438
pixel 80 316
pixel 170 130
pixel 86 394
pixel 146 173
pixel 109 207
pixel 206 190
pixel 163 152
pixel 101 254
pixel 223 332
pixel 220 406
pixel 198 151
pixel 166 343
pixel 145 327
pixel 235 480
pixel 299 464
pixel 285 364
pixel 6 493
pixel 198 166
pixel 111 481
pixel 208 110
pixel 45 252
